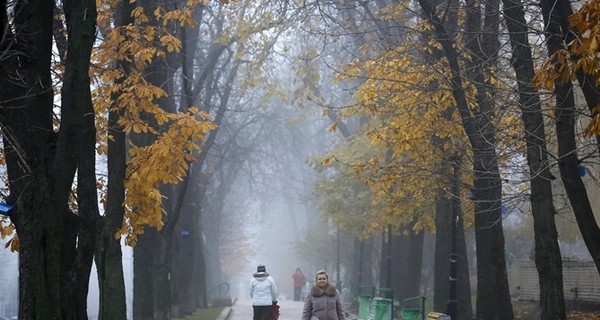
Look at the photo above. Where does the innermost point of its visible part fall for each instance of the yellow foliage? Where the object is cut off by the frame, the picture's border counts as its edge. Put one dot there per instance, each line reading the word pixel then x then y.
pixel 164 162
pixel 399 155
pixel 582 54
pixel 167 160
pixel 6 227
pixel 13 243
pixel 139 15
pixel 171 43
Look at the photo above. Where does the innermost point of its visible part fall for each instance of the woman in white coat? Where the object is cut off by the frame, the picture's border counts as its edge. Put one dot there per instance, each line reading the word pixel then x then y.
pixel 263 292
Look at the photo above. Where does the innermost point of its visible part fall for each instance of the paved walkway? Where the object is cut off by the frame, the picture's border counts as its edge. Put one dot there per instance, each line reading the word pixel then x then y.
pixel 289 310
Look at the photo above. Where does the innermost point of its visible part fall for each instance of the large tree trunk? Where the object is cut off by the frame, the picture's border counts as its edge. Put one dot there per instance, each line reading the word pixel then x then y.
pixel 449 234
pixel 109 258
pixel 493 297
pixel 156 252
pixel 41 167
pixel 81 27
pixel 108 253
pixel 547 253
pixel 143 280
pixel 183 258
pixel 38 192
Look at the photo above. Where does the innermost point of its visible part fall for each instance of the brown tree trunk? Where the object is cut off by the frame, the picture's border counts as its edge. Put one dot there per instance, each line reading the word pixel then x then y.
pixel 493 297
pixel 27 101
pixel 108 249
pixel 547 253
pixel 81 27
pixel 109 258
pixel 143 280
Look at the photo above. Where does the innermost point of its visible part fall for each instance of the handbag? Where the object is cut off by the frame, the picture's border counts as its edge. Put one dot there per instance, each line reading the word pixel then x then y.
pixel 275 311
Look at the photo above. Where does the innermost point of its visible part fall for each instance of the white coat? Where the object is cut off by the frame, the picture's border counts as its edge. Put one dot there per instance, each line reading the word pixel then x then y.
pixel 263 290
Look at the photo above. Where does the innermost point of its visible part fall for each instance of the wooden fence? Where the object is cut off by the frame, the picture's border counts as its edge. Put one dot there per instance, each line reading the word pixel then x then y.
pixel 581 282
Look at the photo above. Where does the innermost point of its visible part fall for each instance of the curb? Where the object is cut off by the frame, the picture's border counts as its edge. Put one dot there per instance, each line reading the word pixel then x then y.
pixel 224 314
pixel 227 311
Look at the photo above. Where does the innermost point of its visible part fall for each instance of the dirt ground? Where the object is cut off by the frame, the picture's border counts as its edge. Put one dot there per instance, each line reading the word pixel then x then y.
pixel 530 311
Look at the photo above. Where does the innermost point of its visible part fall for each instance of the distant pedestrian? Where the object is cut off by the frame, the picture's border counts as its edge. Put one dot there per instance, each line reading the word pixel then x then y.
pixel 323 302
pixel 263 292
pixel 299 282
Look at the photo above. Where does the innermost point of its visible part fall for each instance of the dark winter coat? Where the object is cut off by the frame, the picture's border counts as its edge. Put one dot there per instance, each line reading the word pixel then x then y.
pixel 325 304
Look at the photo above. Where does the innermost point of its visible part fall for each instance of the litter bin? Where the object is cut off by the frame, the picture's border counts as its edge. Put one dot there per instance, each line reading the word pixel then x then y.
pixel 382 308
pixel 363 306
pixel 410 313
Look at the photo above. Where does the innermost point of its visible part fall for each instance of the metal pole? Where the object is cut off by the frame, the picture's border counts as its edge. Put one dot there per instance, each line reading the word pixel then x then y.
pixel 452 306
pixel 389 258
pixel 338 282
pixel 360 264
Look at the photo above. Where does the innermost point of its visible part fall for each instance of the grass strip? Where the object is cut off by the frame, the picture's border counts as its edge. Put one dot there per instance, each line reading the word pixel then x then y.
pixel 204 314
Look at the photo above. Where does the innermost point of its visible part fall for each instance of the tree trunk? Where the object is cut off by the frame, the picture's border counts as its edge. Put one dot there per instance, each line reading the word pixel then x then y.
pixel 108 255
pixel 143 280
pixel 547 253
pixel 446 207
pixel 183 260
pixel 81 27
pixel 493 297
pixel 28 136
pixel 385 263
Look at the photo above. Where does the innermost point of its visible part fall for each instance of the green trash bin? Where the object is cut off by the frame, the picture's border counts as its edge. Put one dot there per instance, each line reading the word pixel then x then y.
pixel 410 313
pixel 363 306
pixel 382 308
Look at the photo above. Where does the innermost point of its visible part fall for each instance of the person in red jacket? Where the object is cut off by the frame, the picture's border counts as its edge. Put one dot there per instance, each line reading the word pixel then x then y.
pixel 299 282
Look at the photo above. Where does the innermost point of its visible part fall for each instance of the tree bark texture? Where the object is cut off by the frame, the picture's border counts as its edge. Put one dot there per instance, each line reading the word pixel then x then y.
pixel 547 253
pixel 81 27
pixel 143 280
pixel 39 182
pixel 493 297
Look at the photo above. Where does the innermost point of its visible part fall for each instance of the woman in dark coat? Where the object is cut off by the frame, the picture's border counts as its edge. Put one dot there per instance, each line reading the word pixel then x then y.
pixel 323 302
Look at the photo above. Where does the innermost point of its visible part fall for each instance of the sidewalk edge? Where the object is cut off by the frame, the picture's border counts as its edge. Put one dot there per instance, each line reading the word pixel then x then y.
pixel 224 314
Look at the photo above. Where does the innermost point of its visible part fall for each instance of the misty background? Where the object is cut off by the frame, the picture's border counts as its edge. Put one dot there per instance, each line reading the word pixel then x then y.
pixel 276 97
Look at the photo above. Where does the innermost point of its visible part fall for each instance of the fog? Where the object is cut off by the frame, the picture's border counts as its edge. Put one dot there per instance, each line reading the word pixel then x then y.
pixel 275 99
pixel 281 210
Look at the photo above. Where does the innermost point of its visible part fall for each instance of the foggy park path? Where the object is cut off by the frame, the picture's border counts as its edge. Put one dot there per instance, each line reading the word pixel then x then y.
pixel 289 310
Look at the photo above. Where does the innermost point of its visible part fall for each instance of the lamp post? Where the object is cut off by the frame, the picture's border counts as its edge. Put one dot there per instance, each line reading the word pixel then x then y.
pixel 452 306
pixel 389 257
pixel 338 282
